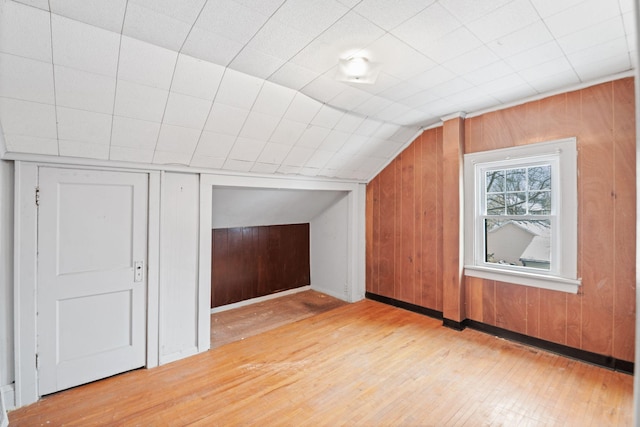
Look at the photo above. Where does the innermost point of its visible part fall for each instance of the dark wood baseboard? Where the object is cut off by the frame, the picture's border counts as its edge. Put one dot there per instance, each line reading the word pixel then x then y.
pixel 563 350
pixel 405 305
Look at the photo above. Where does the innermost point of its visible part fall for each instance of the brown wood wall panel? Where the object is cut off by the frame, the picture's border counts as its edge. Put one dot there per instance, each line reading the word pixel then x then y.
pixel 625 221
pixel 601 317
pixel 249 262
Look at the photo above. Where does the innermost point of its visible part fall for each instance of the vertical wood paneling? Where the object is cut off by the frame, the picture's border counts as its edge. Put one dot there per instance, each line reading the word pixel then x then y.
pixel 601 317
pixel 625 219
pixel 405 289
pixel 369 239
pixel 375 268
pixel 511 310
pixel 248 262
pixel 553 321
pixel 596 219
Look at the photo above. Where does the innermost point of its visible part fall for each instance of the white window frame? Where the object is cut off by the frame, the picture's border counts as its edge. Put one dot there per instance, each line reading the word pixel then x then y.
pixel 562 155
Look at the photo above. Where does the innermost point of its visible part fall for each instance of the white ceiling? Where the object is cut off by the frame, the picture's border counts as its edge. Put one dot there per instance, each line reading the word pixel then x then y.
pixel 244 207
pixel 249 85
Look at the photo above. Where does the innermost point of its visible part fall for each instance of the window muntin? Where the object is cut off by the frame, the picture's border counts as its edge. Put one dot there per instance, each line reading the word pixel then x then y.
pixel 516 215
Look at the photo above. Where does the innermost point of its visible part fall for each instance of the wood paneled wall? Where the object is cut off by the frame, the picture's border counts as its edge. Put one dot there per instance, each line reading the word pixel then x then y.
pixel 601 317
pixel 249 262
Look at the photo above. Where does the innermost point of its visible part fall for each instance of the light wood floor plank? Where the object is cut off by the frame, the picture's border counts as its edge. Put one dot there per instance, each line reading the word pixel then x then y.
pixel 360 364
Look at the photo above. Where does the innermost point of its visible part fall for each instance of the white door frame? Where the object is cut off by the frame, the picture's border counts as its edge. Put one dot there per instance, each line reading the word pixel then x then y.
pixel 25 274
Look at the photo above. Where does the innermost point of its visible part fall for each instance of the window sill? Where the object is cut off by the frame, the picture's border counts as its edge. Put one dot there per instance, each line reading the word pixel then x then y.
pixel 554 283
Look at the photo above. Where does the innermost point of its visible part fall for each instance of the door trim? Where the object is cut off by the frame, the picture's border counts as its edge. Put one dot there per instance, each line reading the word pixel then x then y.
pixel 25 274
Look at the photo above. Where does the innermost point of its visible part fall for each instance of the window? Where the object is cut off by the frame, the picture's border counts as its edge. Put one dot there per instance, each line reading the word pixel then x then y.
pixel 521 215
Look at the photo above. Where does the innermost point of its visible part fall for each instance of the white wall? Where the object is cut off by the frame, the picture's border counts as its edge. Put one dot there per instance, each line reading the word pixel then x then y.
pixel 6 275
pixel 179 228
pixel 329 241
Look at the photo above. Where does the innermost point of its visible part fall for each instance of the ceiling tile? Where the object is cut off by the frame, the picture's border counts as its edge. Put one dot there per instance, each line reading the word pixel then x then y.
pixel 207 162
pixel 259 126
pixel 184 10
pixel 600 52
pixel 83 149
pixel 280 40
pixel 288 132
pixel 245 23
pixel 535 56
pixel 83 126
pixel 452 45
pixel 398 59
pixel 293 76
pixel 310 16
pixel 373 105
pixel 327 117
pixel 213 144
pixel 146 64
pixel 246 149
pixel 489 73
pixel 597 34
pixel 515 93
pixel 28 118
pixel 156 28
pixel 177 139
pixel 302 109
pixel 320 56
pixel 84 91
pixel 350 98
pixel 511 17
pixel 265 7
pixel 256 63
pixel 393 112
pixel 599 68
pixel 313 136
pixel 104 14
pixel 433 77
pixel 237 165
pixel 264 168
pixel 431 24
pixel 171 158
pixel 350 34
pixel 274 153
pixel 583 15
pixel 30 144
pixel 334 141
pixel 133 133
pixel 84 47
pixel 402 90
pixel 238 89
pixel 349 123
pixel 522 40
pixel 25 31
pixel 129 154
pixel 40 4
pixel 273 99
pixel 550 7
pixel 226 119
pixel 298 156
pixel 211 47
pixel 419 99
pixel 389 15
pixel 368 127
pixel 323 88
pixel 554 82
pixel 467 11
pixel 469 62
pixel 186 111
pixel 26 79
pixel 319 159
pixel 140 102
pixel 196 77
pixel 546 69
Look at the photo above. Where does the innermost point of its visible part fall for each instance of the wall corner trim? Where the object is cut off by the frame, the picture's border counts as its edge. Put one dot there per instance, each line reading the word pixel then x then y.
pixel 457 115
pixel 6 395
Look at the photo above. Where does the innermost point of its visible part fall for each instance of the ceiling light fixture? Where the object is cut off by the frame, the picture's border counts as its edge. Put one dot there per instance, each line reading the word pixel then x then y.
pixel 357 69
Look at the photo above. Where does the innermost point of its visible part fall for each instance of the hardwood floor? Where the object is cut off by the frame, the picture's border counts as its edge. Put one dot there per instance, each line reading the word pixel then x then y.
pixel 361 364
pixel 243 322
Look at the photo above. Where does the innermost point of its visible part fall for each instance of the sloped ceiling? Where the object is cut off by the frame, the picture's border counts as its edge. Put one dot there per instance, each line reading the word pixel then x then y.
pixel 249 85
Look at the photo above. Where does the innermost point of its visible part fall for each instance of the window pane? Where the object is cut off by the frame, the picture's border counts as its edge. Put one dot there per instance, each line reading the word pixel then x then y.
pixel 495 204
pixel 540 203
pixel 516 179
pixel 516 203
pixel 523 243
pixel 540 178
pixel 495 181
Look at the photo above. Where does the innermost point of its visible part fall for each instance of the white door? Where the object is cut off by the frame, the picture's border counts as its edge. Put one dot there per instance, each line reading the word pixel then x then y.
pixel 92 253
